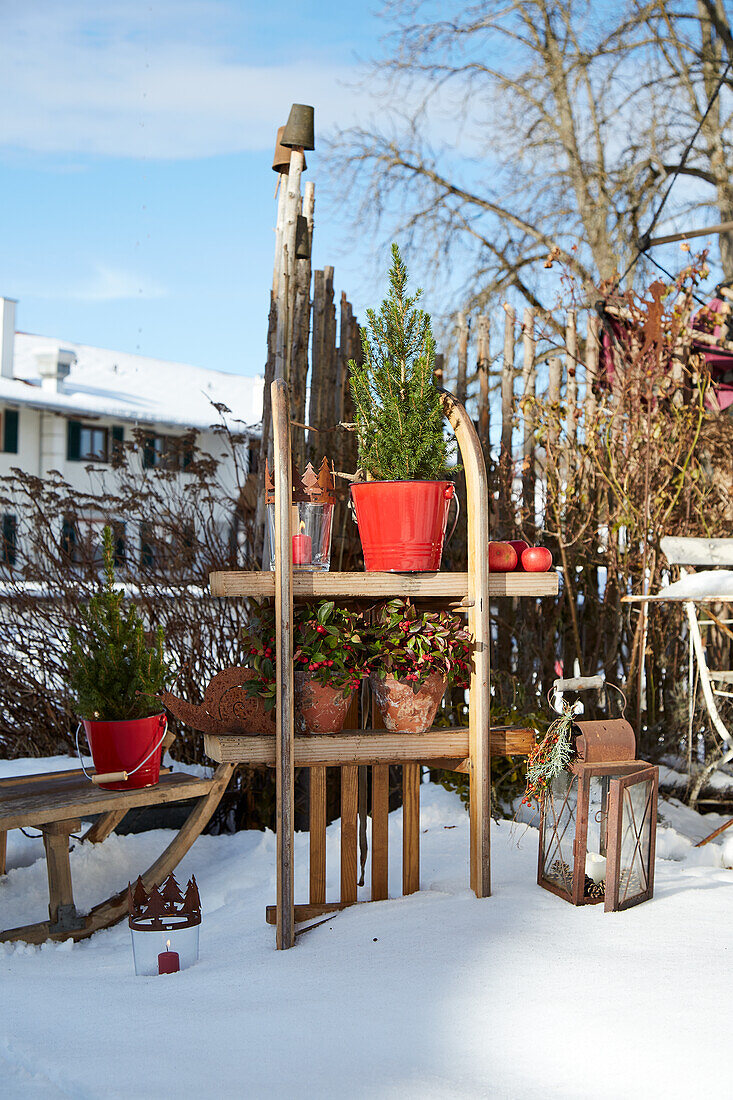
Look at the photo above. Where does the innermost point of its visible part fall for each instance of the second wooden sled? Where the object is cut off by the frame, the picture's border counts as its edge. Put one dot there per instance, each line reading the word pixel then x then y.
pixel 55 803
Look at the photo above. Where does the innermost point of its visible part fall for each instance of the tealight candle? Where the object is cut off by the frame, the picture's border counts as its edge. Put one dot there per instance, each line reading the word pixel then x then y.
pixel 595 866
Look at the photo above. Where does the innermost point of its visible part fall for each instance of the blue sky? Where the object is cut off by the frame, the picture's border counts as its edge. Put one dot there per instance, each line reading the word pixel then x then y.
pixel 135 150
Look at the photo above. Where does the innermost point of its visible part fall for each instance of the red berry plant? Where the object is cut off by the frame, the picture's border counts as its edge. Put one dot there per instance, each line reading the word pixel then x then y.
pixel 410 645
pixel 327 643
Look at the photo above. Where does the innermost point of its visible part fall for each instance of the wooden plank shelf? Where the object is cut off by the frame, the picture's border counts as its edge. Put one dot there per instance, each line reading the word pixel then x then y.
pixel 369 585
pixel 449 746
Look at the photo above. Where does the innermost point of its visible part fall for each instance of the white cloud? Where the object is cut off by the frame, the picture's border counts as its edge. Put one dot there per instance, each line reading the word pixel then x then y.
pixel 141 80
pixel 105 284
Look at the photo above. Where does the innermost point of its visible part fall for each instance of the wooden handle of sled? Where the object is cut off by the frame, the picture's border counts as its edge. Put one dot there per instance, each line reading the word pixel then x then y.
pixel 110 777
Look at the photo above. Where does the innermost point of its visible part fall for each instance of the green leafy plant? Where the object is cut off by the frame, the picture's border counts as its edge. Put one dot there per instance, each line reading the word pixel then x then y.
pixel 399 415
pixel 410 645
pixel 328 643
pixel 113 674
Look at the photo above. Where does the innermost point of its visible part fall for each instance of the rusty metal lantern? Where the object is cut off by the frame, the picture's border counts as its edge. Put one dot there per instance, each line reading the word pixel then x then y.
pixel 281 159
pixel 302 239
pixel 299 128
pixel 598 821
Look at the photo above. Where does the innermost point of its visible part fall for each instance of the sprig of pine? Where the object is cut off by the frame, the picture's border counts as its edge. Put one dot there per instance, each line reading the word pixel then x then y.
pixel 399 415
pixel 113 674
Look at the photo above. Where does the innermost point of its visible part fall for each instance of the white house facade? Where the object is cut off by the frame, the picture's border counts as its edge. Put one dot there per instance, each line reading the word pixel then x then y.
pixel 67 406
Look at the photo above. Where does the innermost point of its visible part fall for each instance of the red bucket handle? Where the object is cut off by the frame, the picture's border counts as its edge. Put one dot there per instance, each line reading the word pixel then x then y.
pixel 119 777
pixel 451 494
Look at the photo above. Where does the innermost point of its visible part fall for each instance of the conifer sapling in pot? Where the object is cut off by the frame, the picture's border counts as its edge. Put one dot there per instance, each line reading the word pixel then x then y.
pixel 402 506
pixel 115 678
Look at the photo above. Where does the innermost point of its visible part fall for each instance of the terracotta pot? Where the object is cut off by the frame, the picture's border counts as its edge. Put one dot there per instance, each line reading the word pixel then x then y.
pixel 402 710
pixel 319 708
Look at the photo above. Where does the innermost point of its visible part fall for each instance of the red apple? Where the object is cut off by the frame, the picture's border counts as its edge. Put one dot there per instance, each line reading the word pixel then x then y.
pixel 502 557
pixel 520 546
pixel 537 559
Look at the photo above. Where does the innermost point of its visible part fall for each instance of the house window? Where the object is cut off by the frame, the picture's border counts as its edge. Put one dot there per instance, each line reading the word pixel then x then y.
pixel 87 442
pixel 150 550
pixel 69 539
pixel 167 452
pixel 82 540
pixel 10 431
pixel 9 545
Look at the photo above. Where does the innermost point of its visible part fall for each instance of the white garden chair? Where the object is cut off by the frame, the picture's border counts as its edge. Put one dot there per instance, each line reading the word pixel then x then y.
pixel 698 592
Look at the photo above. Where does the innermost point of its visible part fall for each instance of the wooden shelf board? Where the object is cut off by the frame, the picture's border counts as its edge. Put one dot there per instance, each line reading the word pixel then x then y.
pixel 369 585
pixel 449 746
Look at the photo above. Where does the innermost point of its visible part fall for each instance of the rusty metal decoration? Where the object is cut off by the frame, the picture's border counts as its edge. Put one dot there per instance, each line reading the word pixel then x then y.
pixel 598 821
pixel 302 239
pixel 308 488
pixel 281 159
pixel 227 706
pixel 299 129
pixel 163 908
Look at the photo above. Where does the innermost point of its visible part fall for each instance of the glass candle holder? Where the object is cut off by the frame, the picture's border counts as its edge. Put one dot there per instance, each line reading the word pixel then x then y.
pixel 164 950
pixel 311 539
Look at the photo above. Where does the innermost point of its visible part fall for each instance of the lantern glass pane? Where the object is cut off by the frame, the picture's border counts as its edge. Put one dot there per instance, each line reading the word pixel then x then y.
pixel 597 837
pixel 635 840
pixel 558 835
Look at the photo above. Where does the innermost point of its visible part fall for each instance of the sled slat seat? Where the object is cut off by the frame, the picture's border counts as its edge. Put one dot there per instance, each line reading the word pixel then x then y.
pixel 36 800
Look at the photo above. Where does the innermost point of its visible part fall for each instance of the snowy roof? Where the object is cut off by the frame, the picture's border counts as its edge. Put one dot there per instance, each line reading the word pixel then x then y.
pixel 129 387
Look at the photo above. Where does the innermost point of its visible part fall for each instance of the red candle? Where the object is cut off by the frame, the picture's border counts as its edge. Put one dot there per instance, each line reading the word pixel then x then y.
pixel 168 961
pixel 302 547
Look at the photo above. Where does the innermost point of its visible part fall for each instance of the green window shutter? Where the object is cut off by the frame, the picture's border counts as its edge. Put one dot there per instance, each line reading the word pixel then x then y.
pixel 118 440
pixel 73 441
pixel 10 431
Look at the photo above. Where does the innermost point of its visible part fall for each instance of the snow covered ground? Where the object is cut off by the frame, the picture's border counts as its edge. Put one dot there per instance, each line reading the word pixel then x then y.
pixel 435 995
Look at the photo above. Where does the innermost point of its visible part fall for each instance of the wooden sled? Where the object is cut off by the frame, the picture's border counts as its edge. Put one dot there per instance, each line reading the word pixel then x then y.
pixel 55 803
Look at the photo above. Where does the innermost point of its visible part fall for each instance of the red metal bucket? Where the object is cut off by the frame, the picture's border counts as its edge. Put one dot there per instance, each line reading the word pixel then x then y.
pixel 124 747
pixel 402 523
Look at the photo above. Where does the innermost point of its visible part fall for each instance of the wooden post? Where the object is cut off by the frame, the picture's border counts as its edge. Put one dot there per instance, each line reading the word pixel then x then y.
pixel 286 287
pixel 462 374
pixel 317 835
pixel 553 400
pixel 507 419
pixel 529 379
pixel 301 332
pixel 483 367
pixel 410 828
pixel 591 370
pixel 479 624
pixel 571 393
pixel 284 723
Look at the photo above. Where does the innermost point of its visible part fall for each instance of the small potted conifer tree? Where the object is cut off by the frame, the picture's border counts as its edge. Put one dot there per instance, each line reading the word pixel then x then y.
pixel 402 506
pixel 115 678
